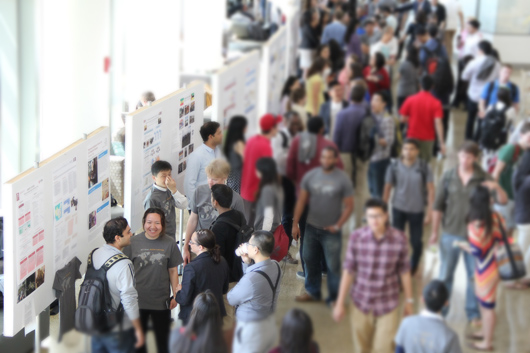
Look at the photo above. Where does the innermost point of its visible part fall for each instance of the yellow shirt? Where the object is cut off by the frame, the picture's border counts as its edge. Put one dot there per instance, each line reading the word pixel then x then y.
pixel 310 83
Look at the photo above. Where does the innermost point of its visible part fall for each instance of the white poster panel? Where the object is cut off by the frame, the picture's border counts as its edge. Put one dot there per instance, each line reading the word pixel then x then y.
pixel 235 91
pixel 167 130
pixel 47 222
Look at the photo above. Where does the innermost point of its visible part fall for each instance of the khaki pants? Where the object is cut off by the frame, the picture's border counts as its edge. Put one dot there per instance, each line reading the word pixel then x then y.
pixel 360 186
pixel 229 319
pixel 426 150
pixel 374 334
pixel 448 43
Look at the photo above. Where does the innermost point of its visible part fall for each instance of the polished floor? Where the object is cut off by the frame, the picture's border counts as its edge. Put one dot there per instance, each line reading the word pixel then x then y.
pixel 512 334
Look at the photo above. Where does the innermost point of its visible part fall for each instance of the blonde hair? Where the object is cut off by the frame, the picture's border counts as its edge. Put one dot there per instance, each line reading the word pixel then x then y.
pixel 218 168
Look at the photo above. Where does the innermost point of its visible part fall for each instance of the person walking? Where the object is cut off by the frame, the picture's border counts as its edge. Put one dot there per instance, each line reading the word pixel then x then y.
pixel 234 150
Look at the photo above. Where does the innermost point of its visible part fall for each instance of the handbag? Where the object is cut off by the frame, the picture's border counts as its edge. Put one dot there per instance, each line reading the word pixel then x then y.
pixel 510 259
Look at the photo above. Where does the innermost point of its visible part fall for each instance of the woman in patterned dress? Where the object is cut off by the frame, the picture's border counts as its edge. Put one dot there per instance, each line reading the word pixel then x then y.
pixel 484 232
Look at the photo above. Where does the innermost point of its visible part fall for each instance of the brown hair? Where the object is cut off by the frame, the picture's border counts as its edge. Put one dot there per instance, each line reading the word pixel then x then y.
pixel 470 147
pixel 206 239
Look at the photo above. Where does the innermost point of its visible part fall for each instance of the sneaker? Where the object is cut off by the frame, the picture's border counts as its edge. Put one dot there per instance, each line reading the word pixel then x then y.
pixel 300 274
pixel 305 298
pixel 290 260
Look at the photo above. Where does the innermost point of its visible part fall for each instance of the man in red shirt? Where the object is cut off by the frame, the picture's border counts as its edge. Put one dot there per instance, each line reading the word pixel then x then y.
pixel 424 113
pixel 257 147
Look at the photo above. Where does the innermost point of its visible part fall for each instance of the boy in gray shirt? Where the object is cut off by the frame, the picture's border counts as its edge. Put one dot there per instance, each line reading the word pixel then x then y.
pixel 428 332
pixel 164 195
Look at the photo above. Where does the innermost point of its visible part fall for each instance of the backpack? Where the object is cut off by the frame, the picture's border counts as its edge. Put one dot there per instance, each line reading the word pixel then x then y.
pixel 257 31
pixel 493 131
pixel 366 137
pixel 94 314
pixel 244 233
pixel 513 91
pixel 493 162
pixel 439 68
pixel 395 150
pixel 424 171
pixel 285 139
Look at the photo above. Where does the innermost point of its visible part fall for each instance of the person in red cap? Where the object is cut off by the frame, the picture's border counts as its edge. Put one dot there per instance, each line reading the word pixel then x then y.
pixel 257 147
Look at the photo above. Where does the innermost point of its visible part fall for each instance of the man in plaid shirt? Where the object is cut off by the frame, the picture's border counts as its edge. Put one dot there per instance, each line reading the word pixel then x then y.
pixel 376 263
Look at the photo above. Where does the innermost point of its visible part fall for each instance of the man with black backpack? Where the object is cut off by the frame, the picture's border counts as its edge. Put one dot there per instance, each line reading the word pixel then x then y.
pixel 115 326
pixel 410 204
pixel 489 93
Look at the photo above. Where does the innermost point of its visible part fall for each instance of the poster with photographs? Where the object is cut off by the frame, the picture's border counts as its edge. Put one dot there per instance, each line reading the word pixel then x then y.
pixel 152 138
pixel 98 187
pixel 65 204
pixel 29 241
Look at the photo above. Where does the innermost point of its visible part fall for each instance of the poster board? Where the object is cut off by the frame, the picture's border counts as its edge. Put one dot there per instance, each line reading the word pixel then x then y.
pixel 235 91
pixel 293 26
pixel 54 213
pixel 167 130
pixel 273 72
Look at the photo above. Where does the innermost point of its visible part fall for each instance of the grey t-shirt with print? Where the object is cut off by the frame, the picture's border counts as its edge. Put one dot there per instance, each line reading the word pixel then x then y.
pixel 152 260
pixel 409 185
pixel 270 196
pixel 64 285
pixel 326 193
pixel 201 204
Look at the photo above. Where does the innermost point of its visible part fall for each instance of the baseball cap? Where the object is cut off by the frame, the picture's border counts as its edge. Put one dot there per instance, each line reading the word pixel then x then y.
pixel 268 121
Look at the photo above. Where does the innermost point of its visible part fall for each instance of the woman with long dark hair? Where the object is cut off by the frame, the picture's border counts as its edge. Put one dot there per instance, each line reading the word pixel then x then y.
pixel 376 75
pixel 155 257
pixel 409 76
pixel 208 271
pixel 296 334
pixel 291 84
pixel 203 333
pixel 269 196
pixel 234 150
pixel 485 229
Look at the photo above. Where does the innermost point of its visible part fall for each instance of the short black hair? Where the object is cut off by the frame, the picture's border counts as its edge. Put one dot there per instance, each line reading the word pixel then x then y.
pixel 333 84
pixel 474 23
pixel 160 166
pixel 209 128
pixel 427 83
pixel 222 194
pixel 433 30
pixel 383 95
pixel 414 142
pixel 315 125
pixel 420 31
pixel 380 60
pixel 357 93
pixel 376 203
pixel 435 295
pixel 114 227
pixel 264 240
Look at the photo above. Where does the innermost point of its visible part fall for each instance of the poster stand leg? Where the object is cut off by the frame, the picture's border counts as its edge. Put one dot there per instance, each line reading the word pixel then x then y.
pixel 37 335
pixel 181 227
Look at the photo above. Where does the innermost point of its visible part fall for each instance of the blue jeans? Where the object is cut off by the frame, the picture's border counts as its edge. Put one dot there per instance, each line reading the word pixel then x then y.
pixel 318 242
pixel 376 177
pixel 113 343
pixel 450 256
pixel 415 220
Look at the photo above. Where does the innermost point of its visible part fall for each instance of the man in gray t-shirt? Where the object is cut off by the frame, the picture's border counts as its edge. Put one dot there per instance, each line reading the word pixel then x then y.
pixel 329 192
pixel 412 181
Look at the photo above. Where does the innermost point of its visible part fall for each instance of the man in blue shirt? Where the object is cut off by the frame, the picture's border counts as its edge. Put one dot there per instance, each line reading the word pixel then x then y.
pixel 489 93
pixel 431 46
pixel 196 171
pixel 335 30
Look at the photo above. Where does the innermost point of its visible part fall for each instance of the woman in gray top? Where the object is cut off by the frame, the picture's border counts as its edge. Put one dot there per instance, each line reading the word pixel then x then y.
pixel 409 76
pixel 234 150
pixel 269 197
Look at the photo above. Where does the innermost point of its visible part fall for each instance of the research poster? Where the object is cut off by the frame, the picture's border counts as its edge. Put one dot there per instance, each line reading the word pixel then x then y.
pixel 152 138
pixel 29 241
pixel 98 187
pixel 277 61
pixel 250 90
pixel 188 126
pixel 65 212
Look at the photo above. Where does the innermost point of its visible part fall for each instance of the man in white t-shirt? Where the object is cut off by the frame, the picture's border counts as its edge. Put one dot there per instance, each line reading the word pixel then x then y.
pixel 473 37
pixel 454 20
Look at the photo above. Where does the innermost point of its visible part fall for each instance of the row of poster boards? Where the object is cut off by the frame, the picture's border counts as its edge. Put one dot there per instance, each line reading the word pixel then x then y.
pixel 52 214
pixel 252 85
pixel 167 130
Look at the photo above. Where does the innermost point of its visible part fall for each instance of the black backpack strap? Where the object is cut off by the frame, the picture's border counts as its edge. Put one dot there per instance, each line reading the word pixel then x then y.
pixel 285 139
pixel 273 287
pixel 229 222
pixel 89 261
pixel 112 261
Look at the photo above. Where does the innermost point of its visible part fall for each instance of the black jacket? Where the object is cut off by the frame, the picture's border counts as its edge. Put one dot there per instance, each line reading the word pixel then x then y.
pixel 200 274
pixel 309 38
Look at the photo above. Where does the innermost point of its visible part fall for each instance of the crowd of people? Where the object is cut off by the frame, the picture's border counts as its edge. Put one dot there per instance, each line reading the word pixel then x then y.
pixel 362 128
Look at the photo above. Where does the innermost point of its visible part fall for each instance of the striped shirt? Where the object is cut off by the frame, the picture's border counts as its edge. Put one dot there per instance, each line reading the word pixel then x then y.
pixel 377 266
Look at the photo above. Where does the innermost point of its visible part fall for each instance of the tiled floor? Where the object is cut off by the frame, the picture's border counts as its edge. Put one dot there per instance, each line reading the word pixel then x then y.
pixel 512 333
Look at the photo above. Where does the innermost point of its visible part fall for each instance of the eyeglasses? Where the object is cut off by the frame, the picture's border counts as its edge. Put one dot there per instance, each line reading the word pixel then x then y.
pixel 253 246
pixel 193 243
